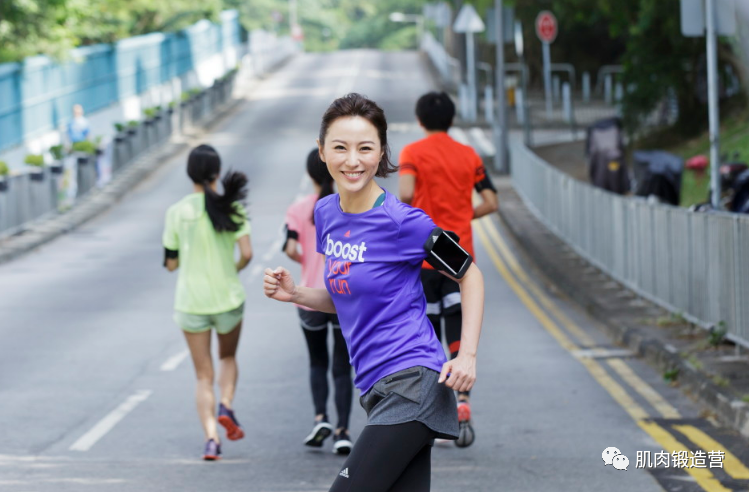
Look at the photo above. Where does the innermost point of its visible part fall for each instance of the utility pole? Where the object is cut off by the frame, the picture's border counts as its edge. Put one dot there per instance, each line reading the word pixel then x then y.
pixel 500 122
pixel 713 109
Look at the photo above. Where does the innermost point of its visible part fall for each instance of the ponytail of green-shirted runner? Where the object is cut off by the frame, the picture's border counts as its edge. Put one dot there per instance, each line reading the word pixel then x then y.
pixel 203 168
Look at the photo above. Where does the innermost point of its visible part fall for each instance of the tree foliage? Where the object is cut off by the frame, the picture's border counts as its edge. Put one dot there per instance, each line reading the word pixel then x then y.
pixel 53 27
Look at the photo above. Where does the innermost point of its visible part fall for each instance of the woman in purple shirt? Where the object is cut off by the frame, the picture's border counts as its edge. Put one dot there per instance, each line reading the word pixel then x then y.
pixel 374 246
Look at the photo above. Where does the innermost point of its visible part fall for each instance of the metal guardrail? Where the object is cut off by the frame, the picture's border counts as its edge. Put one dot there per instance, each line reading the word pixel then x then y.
pixel 33 195
pixel 688 262
pixel 447 66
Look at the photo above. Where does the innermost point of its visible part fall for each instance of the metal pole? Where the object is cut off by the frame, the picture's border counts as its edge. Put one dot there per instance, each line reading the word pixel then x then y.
pixel 712 102
pixel 500 122
pixel 526 107
pixel 471 64
pixel 547 77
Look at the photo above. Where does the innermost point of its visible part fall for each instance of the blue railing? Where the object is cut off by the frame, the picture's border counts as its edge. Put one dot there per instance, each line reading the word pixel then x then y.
pixel 38 94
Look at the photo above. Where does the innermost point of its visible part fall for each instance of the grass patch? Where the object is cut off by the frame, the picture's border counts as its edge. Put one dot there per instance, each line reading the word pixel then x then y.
pixel 671 375
pixel 721 381
pixel 672 319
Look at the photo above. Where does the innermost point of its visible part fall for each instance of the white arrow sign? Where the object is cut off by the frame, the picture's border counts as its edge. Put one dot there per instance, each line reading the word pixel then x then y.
pixel 468 20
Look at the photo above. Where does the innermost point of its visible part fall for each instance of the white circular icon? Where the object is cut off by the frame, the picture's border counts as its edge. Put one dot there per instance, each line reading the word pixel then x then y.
pixel 609 454
pixel 620 462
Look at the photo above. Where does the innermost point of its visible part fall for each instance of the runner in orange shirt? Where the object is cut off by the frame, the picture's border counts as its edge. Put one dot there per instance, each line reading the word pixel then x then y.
pixel 438 175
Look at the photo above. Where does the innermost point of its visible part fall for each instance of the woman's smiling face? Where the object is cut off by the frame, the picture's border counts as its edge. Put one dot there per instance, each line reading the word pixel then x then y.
pixel 352 152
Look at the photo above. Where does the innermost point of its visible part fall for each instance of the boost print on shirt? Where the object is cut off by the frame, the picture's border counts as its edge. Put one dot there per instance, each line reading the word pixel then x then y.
pixel 345 251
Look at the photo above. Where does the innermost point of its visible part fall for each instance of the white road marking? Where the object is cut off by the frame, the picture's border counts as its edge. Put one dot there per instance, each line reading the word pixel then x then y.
pixel 174 361
pixel 459 135
pixel 87 440
pixel 485 147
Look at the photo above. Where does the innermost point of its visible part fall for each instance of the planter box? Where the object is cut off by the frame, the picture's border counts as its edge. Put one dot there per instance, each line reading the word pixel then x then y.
pixel 56 167
pixel 36 175
pixel 4 183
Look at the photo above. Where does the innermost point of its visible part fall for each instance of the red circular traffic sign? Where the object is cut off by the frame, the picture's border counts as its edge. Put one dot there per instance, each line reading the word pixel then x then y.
pixel 546 26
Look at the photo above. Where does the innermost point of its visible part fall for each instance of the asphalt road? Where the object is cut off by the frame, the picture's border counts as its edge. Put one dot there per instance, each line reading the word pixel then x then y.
pixel 95 392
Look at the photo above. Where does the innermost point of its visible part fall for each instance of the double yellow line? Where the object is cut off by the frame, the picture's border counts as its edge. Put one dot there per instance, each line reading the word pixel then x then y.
pixel 551 317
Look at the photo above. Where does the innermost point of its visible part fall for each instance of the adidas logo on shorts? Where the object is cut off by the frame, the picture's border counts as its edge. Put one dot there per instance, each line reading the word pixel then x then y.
pixel 344 473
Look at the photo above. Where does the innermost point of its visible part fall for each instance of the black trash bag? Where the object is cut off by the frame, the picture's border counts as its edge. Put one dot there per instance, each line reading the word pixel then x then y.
pixel 658 174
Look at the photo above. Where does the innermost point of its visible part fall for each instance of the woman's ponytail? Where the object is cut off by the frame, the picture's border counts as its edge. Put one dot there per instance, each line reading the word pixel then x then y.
pixel 203 167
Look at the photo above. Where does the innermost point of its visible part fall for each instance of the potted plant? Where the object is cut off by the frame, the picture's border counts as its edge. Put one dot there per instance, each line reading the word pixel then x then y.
pixel 121 133
pixel 58 154
pixel 36 161
pixel 4 172
pixel 85 149
pixel 132 127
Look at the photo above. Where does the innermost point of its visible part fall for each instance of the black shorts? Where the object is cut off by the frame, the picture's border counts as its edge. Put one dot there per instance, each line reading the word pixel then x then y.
pixel 442 293
pixel 316 320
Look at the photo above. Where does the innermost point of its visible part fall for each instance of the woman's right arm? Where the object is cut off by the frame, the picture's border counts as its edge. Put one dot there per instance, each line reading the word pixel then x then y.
pixel 278 285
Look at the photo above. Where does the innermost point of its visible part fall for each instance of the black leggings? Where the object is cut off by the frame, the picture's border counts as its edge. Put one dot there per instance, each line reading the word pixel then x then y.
pixel 389 458
pixel 317 345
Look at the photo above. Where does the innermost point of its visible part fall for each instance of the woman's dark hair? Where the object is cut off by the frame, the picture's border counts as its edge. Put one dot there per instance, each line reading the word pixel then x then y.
pixel 435 111
pixel 357 105
pixel 318 172
pixel 203 167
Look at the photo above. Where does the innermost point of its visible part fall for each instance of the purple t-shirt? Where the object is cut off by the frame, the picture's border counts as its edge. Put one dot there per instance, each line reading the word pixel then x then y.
pixel 372 271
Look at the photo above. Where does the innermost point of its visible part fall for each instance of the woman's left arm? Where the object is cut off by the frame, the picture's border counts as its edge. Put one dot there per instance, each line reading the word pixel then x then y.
pixel 460 372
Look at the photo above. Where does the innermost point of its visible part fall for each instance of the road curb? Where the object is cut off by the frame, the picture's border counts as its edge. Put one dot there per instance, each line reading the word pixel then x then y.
pixel 732 412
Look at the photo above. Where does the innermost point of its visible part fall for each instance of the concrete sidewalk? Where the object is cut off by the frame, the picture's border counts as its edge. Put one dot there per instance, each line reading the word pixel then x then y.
pixel 717 376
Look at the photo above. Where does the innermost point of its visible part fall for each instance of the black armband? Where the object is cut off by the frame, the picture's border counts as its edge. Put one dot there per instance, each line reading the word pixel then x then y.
pixel 289 235
pixel 445 254
pixel 485 184
pixel 170 254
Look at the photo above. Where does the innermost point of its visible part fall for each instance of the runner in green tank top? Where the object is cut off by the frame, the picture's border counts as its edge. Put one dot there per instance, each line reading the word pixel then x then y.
pixel 199 237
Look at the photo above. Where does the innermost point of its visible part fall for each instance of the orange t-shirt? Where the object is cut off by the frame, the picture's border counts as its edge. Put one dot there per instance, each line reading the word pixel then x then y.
pixel 446 172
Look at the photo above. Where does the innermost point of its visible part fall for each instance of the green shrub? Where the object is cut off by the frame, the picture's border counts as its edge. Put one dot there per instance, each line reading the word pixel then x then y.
pixel 120 127
pixel 185 96
pixel 717 334
pixel 34 160
pixel 172 104
pixel 85 146
pixel 133 123
pixel 4 171
pixel 57 151
pixel 149 112
pixel 194 91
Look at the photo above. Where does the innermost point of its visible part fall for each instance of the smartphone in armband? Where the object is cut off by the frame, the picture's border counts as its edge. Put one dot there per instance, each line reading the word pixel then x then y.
pixel 446 255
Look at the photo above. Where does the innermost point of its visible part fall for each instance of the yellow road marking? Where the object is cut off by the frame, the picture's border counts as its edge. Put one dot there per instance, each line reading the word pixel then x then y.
pixel 702 476
pixel 525 298
pixel 644 389
pixel 731 464
pixel 514 265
